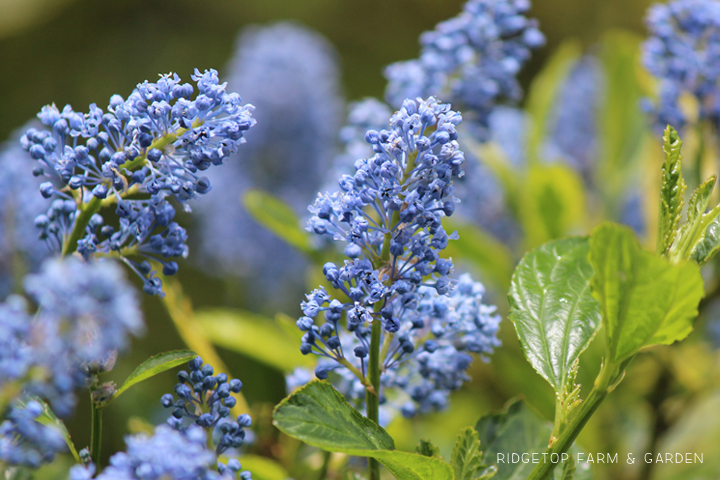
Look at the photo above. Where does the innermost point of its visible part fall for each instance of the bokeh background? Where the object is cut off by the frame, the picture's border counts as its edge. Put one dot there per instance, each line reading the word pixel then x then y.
pixel 80 52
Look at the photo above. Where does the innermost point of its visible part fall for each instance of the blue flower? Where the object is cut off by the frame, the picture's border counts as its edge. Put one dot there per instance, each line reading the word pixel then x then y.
pixel 167 454
pixel 135 156
pixel 24 440
pixel 290 74
pixel 388 215
pixel 20 248
pixel 206 399
pixel 470 60
pixel 682 51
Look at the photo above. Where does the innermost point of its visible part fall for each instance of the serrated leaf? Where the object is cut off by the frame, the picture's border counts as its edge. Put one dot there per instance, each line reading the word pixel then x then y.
pixel 318 415
pixel 48 417
pixel 427 449
pixel 519 431
pixel 154 366
pixel 253 335
pixel 466 458
pixel 568 471
pixel 692 232
pixel 278 217
pixel 552 308
pixel 709 244
pixel 645 299
pixel 672 189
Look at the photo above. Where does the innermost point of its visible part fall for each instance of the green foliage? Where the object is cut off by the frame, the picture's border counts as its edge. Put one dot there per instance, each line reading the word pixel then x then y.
pixel 672 190
pixel 568 471
pixel 427 449
pixel 154 366
pixel 466 458
pixel 263 468
pixel 518 430
pixel 553 311
pixel 48 417
pixel 318 415
pixel 278 217
pixel 695 238
pixel 645 299
pixel 254 336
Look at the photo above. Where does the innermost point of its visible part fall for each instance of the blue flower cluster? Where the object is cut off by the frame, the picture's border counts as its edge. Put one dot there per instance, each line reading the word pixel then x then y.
pixel 139 154
pixel 389 214
pixel 20 249
pixel 25 441
pixel 167 454
pixel 470 60
pixel 206 399
pixel 682 51
pixel 290 74
pixel 86 311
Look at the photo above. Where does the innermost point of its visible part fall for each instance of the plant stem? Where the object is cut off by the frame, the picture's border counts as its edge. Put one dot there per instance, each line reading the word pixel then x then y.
pixel 322 473
pixel 373 400
pixel 96 433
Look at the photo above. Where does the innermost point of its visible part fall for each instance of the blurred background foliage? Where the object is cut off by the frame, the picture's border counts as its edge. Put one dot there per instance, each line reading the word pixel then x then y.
pixel 83 51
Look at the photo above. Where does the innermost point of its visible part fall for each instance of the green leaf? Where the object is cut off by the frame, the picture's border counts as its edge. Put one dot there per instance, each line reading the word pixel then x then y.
pixel 263 468
pixel 553 310
pixel 568 471
pixel 153 366
pixel 672 189
pixel 645 299
pixel 493 258
pixel 253 335
pixel 693 231
pixel 543 92
pixel 278 217
pixel 466 458
pixel 516 432
pixel 709 244
pixel 553 203
pixel 427 449
pixel 48 417
pixel 318 415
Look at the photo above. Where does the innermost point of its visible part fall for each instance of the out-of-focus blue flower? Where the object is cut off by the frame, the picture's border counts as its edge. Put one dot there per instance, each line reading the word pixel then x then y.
pixel 428 356
pixel 388 215
pixel 167 454
pixel 683 51
pixel 573 129
pixel 290 74
pixel 143 151
pixel 632 214
pixel 20 249
pixel 206 399
pixel 86 311
pixel 25 441
pixel 470 60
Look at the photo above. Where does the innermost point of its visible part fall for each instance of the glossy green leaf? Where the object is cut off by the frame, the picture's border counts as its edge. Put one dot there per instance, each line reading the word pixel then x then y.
pixel 153 366
pixel 318 415
pixel 255 336
pixel 466 458
pixel 493 258
pixel 427 449
pixel 672 189
pixel 552 308
pixel 694 230
pixel 278 217
pixel 553 203
pixel 645 299
pixel 48 417
pixel 516 434
pixel 709 244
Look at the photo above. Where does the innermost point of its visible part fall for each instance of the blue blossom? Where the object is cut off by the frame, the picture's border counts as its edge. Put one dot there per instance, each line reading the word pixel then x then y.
pixel 167 454
pixel 429 355
pixel 470 60
pixel 206 399
pixel 290 74
pixel 20 249
pixel 24 440
pixel 573 130
pixel 143 151
pixel 683 51
pixel 389 217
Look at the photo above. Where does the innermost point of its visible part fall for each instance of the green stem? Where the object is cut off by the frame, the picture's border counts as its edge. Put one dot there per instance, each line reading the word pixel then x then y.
pixel 544 469
pixel 322 473
pixel 373 400
pixel 96 433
